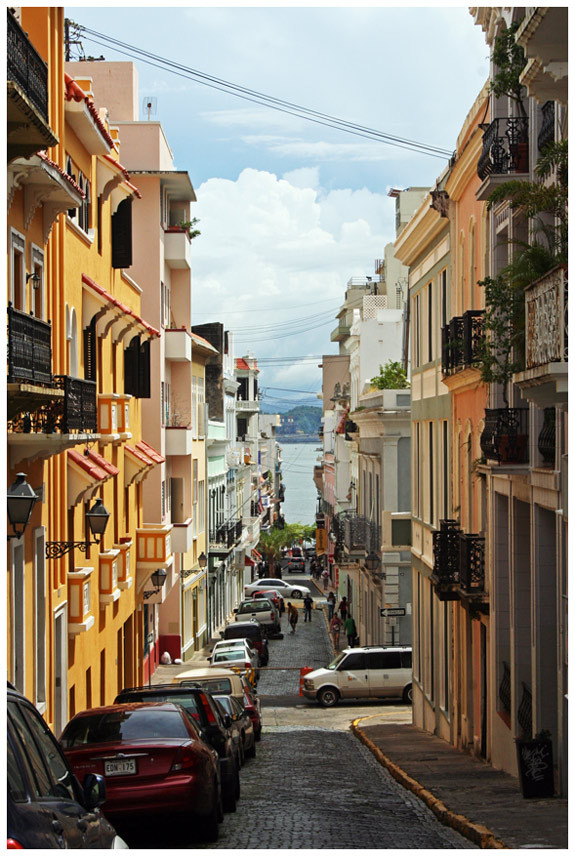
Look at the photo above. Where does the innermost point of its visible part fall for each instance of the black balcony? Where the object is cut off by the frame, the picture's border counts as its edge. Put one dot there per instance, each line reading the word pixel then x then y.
pixel 472 563
pixel 546 439
pixel 505 690
pixel 74 412
pixel 446 559
pixel 29 348
pixel 525 712
pixel 505 436
pixel 461 341
pixel 505 147
pixel 26 67
pixel 547 131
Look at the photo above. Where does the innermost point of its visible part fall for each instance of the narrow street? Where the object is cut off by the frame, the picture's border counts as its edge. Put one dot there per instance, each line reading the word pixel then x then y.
pixel 312 783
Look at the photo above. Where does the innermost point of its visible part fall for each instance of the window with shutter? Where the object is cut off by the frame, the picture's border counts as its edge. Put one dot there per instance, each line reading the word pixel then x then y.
pixel 144 371
pixel 137 368
pixel 122 235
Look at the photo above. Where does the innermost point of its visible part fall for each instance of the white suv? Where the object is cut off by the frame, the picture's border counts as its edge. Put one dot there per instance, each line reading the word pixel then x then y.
pixel 364 672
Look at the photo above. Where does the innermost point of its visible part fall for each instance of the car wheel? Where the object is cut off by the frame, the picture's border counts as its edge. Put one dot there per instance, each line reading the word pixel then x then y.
pixel 408 694
pixel 251 753
pixel 229 802
pixel 328 697
pixel 296 593
pixel 211 822
pixel 258 734
pixel 242 755
pixel 237 785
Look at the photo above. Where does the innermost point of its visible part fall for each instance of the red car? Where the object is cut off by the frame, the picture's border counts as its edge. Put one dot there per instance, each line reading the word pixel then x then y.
pixel 273 595
pixel 153 760
pixel 254 711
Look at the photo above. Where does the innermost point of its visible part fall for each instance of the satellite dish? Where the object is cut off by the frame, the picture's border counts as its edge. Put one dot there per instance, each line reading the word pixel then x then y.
pixel 149 105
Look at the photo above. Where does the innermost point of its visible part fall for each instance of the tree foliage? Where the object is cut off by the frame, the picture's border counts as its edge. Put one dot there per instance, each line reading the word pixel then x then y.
pixel 509 60
pixel 272 541
pixel 392 377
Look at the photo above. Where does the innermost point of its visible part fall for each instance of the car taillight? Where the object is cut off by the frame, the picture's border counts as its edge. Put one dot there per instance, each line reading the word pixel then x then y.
pixel 11 843
pixel 209 713
pixel 186 759
pixel 272 615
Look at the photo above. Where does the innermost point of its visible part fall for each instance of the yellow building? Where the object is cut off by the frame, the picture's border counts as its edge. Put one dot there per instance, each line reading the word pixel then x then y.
pixel 79 356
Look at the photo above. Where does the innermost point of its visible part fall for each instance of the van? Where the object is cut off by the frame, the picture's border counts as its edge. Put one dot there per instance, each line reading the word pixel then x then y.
pixel 367 671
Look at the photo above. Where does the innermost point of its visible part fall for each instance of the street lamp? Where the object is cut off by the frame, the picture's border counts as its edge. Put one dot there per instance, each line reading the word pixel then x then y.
pixel 21 498
pixel 202 560
pixel 96 523
pixel 158 579
pixel 372 561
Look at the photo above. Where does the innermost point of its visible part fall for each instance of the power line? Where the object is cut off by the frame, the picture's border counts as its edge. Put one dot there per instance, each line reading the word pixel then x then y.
pixel 260 98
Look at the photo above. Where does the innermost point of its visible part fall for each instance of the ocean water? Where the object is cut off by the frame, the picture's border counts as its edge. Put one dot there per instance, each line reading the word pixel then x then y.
pixel 298 462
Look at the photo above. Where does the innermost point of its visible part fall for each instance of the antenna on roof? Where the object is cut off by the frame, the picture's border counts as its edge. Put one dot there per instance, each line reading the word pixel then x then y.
pixel 149 105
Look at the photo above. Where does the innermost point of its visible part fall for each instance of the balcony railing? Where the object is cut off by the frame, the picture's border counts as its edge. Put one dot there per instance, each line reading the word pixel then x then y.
pixel 461 341
pixel 505 689
pixel 547 131
pixel 29 348
pixel 546 439
pixel 75 412
pixel 26 67
pixel 446 552
pixel 472 562
pixel 505 435
pixel 505 147
pixel 525 712
pixel 546 320
pixel 356 533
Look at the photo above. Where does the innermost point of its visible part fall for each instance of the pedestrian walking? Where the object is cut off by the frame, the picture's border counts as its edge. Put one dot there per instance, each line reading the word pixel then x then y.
pixel 325 578
pixel 343 608
pixel 330 606
pixel 350 630
pixel 334 629
pixel 307 605
pixel 293 616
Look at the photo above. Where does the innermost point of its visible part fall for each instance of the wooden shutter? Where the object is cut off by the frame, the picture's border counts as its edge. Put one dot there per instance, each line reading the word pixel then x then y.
pixel 122 235
pixel 144 370
pixel 131 355
pixel 90 351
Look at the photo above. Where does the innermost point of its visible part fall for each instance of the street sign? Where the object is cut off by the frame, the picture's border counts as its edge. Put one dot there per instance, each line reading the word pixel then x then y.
pixel 392 611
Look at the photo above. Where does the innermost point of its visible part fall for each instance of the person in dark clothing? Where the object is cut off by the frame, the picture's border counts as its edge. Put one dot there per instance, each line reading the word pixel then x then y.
pixel 307 606
pixel 343 608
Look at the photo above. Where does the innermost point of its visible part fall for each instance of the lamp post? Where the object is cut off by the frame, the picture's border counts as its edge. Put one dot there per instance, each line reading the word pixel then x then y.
pixel 158 578
pixel 21 499
pixel 96 522
pixel 372 561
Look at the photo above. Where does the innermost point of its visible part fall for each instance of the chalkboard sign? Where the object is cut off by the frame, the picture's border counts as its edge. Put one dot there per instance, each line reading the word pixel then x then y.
pixel 535 763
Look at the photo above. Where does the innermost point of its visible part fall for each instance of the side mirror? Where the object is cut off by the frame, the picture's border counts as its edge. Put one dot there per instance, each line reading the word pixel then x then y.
pixel 227 721
pixel 94 787
pixel 235 609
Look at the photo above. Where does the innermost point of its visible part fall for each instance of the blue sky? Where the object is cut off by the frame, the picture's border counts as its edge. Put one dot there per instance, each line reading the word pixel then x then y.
pixel 289 210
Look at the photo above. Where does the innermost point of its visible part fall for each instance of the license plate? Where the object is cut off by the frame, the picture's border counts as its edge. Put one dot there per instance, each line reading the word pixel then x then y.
pixel 119 767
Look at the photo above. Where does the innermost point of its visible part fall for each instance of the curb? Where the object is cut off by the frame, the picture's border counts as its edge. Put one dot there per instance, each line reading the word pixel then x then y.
pixel 476 833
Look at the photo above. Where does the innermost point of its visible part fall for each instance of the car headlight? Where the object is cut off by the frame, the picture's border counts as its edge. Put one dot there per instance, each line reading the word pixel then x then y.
pixel 308 684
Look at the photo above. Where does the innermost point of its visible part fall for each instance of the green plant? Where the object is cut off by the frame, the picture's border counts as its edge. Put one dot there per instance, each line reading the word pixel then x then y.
pixel 189 227
pixel 509 59
pixel 392 377
pixel 272 542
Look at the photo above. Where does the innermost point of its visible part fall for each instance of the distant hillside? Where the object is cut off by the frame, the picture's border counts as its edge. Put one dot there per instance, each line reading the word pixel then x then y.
pixel 303 420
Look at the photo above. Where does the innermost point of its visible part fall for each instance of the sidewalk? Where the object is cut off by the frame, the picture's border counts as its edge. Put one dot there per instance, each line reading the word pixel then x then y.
pixel 482 804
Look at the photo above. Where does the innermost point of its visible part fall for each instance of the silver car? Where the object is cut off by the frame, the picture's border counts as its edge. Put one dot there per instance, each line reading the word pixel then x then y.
pixel 262 610
pixel 368 671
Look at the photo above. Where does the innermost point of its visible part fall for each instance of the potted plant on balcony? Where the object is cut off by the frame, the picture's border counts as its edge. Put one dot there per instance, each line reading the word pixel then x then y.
pixel 392 377
pixel 189 226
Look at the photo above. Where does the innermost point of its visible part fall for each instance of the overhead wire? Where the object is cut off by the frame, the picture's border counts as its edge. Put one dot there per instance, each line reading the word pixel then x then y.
pixel 254 96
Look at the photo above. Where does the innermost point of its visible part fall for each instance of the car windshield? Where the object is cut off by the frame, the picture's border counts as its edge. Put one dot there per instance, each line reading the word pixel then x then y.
pixel 212 685
pixel 186 700
pixel 259 606
pixel 230 655
pixel 123 726
pixel 336 661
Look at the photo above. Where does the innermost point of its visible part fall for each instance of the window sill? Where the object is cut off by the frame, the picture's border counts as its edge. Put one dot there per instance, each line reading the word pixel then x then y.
pixel 88 236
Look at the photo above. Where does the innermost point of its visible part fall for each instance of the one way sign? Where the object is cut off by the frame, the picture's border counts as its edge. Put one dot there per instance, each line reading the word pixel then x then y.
pixel 392 611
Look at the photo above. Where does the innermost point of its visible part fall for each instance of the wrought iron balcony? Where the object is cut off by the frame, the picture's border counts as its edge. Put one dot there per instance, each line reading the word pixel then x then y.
pixel 26 67
pixel 505 435
pixel 505 147
pixel 472 563
pixel 74 412
pixel 525 712
pixel 459 565
pixel 461 340
pixel 546 439
pixel 446 558
pixel 546 315
pixel 29 348
pixel 547 131
pixel 505 690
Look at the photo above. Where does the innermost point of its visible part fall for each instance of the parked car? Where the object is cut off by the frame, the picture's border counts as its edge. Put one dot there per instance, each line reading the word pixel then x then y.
pixel 286 590
pixel 368 671
pixel 273 595
pixel 296 552
pixel 262 610
pixel 154 761
pixel 241 644
pixel 237 657
pixel 213 728
pixel 242 722
pixel 296 563
pixel 46 805
pixel 223 681
pixel 251 631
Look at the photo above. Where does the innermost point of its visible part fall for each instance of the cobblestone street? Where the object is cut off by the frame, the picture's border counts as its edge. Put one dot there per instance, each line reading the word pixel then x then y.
pixel 313 784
